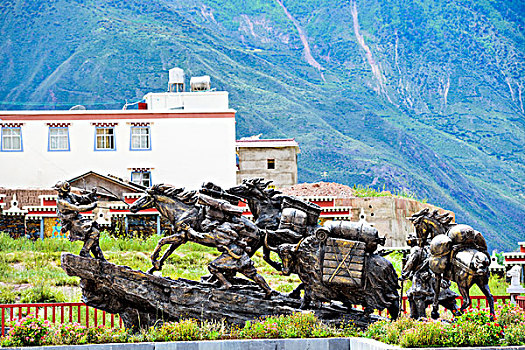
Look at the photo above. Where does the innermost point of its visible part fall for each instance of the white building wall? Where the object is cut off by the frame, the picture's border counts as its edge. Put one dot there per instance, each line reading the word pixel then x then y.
pixel 186 149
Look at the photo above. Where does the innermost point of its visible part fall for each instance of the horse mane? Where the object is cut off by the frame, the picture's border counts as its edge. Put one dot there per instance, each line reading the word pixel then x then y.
pixel 422 218
pixel 180 194
pixel 434 216
pixel 262 186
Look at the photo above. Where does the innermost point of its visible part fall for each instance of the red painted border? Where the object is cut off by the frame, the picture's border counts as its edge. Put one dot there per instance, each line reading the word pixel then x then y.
pixel 71 116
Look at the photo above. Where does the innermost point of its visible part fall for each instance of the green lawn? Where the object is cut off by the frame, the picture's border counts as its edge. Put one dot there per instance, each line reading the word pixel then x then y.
pixel 30 270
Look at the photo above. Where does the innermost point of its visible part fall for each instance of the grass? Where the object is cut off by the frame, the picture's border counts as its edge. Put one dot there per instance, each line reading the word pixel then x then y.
pixel 362 191
pixel 30 270
pixel 25 265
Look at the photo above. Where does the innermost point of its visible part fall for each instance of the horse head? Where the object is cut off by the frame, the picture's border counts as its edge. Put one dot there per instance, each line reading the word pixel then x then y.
pixel 166 196
pixel 147 201
pixel 255 188
pixel 430 224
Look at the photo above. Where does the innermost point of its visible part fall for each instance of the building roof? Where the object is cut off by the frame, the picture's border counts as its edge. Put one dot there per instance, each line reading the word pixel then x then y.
pixel 111 114
pixel 266 143
pixel 320 189
pixel 128 185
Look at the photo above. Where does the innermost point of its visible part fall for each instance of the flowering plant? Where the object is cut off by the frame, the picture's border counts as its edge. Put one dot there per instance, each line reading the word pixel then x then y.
pixel 28 331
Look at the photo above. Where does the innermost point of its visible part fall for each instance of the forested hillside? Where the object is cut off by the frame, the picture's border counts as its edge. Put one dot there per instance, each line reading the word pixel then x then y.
pixel 425 96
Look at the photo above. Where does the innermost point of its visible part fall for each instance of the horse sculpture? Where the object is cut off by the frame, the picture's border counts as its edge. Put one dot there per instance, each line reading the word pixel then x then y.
pixel 457 253
pixel 235 236
pixel 266 207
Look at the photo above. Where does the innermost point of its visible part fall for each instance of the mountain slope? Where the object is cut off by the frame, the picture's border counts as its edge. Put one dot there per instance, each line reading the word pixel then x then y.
pixel 418 95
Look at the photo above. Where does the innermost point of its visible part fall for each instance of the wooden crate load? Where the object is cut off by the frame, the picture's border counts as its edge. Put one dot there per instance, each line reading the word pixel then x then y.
pixel 343 262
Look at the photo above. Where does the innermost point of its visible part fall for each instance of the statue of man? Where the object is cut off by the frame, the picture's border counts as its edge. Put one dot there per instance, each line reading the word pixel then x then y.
pixel 69 207
pixel 229 232
pixel 416 268
pixel 421 293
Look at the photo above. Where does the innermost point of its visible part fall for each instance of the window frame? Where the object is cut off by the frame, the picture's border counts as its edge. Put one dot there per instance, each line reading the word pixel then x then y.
pixel 141 183
pixel 131 148
pixel 49 149
pixel 2 149
pixel 114 139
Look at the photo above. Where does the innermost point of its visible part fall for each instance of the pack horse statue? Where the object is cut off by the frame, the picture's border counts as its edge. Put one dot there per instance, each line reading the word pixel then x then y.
pixel 457 253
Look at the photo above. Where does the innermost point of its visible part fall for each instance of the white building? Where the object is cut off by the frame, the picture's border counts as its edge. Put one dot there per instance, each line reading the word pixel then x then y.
pixel 181 138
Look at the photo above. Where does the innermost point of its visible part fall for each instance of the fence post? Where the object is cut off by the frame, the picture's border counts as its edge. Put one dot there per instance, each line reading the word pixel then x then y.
pixel 3 322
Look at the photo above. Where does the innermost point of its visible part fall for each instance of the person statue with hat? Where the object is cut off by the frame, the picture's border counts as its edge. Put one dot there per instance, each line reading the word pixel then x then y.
pixel 69 207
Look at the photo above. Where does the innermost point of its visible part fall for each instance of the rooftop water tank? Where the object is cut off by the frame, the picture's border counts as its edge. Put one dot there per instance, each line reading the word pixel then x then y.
pixel 200 83
pixel 176 80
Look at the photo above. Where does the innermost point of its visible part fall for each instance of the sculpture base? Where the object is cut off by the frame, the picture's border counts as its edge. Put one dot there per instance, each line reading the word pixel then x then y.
pixel 142 299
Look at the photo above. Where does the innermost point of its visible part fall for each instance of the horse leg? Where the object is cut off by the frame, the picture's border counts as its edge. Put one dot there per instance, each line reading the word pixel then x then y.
pixel 307 299
pixel 159 263
pixel 435 304
pixel 464 291
pixel 414 310
pixel 393 309
pixel 296 293
pixel 175 240
pixel 484 287
pixel 266 256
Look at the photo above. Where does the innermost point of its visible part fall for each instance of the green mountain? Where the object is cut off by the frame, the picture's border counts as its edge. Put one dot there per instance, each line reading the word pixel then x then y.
pixel 421 95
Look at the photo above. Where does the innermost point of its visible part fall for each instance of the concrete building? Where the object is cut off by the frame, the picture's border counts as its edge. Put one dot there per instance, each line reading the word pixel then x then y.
pixel 183 138
pixel 271 159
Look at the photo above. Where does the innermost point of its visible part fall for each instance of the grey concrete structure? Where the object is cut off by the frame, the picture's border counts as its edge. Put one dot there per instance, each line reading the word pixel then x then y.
pixel 254 344
pixel 274 160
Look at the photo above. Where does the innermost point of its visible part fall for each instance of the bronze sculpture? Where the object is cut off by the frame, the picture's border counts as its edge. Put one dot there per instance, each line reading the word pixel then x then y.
pixel 457 253
pixel 332 268
pixel 421 293
pixel 285 219
pixel 336 262
pixel 69 207
pixel 208 221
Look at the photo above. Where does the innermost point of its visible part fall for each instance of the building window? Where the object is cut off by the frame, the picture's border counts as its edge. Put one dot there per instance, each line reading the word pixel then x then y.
pixel 141 178
pixel 140 138
pixel 58 139
pixel 12 139
pixel 104 139
pixel 271 163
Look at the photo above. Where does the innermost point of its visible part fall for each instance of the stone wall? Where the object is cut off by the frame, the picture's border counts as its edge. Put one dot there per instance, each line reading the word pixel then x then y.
pixel 253 162
pixel 387 214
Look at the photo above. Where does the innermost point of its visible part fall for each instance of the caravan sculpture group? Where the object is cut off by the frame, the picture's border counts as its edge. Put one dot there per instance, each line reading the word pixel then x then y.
pixel 337 261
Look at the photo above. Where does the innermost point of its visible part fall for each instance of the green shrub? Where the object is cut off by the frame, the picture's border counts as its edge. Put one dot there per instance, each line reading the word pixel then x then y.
pixel 28 331
pixel 70 334
pixel 424 334
pixel 189 329
pixel 7 295
pixel 377 331
pixel 393 332
pixel 514 334
pixel 510 314
pixel 297 325
pixel 41 293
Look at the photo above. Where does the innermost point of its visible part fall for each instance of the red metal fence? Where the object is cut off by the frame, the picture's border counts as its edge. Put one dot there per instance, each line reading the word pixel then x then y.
pixel 520 301
pixel 85 315
pixel 59 313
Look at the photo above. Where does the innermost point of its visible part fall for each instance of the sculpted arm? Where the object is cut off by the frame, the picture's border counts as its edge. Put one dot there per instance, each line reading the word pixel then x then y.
pixel 64 205
pixel 411 263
